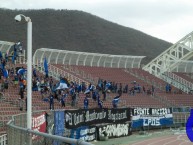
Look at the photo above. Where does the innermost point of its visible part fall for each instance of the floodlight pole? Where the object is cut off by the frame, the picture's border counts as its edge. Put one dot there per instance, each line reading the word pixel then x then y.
pixel 29 77
pixel 29 72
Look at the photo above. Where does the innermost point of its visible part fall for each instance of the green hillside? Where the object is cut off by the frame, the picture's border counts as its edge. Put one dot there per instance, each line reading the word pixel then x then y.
pixel 79 31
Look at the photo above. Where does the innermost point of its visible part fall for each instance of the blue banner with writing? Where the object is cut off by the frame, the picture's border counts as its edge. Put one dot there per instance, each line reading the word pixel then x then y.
pixel 58 124
pixel 86 133
pixel 151 117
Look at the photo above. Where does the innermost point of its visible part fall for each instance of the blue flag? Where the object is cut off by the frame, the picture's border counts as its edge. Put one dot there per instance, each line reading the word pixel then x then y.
pixel 87 91
pixel 116 100
pixel 21 71
pixel 45 66
pixel 61 85
pixel 1 55
pixel 62 81
pixel 5 73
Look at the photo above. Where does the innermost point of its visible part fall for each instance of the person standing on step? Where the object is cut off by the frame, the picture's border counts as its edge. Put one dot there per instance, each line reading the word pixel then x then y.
pixel 64 95
pixel 51 101
pixel 116 101
pixel 86 102
pixel 100 104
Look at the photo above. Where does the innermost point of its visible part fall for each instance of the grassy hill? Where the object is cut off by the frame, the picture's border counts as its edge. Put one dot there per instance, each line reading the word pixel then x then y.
pixel 79 31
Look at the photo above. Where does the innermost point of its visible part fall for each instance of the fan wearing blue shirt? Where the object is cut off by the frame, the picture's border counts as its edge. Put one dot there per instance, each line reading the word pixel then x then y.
pixel 63 100
pixel 86 102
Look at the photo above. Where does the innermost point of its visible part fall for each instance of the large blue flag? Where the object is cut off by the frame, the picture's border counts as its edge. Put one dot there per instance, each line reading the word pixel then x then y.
pixel 45 66
pixel 61 85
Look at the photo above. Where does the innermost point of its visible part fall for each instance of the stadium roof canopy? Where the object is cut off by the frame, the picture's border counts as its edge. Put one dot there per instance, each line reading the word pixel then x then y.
pixel 5 46
pixel 55 56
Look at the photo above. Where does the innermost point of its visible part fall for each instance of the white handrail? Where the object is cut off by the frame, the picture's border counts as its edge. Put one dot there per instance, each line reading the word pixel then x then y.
pixel 3 139
pixel 181 82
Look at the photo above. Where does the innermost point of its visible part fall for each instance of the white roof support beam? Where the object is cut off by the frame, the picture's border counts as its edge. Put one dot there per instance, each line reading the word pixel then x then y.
pixel 133 62
pixel 56 61
pixel 112 61
pixel 49 57
pixel 182 50
pixel 98 63
pixel 65 54
pixel 91 62
pixel 118 64
pixel 42 57
pixel 78 58
pixel 84 63
pixel 104 61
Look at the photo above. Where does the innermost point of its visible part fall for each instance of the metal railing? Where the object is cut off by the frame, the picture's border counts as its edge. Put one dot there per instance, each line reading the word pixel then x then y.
pixel 145 79
pixel 177 81
pixel 18 134
pixel 84 74
pixel 57 72
pixel 165 101
pixel 180 118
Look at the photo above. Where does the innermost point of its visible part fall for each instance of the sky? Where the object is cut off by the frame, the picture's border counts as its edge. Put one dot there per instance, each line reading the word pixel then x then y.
pixel 168 20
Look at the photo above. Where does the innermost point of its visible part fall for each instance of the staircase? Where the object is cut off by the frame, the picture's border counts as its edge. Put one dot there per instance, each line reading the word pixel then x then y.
pixel 178 82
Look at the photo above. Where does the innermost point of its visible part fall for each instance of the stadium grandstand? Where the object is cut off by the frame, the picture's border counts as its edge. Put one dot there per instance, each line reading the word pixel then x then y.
pixel 92 98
